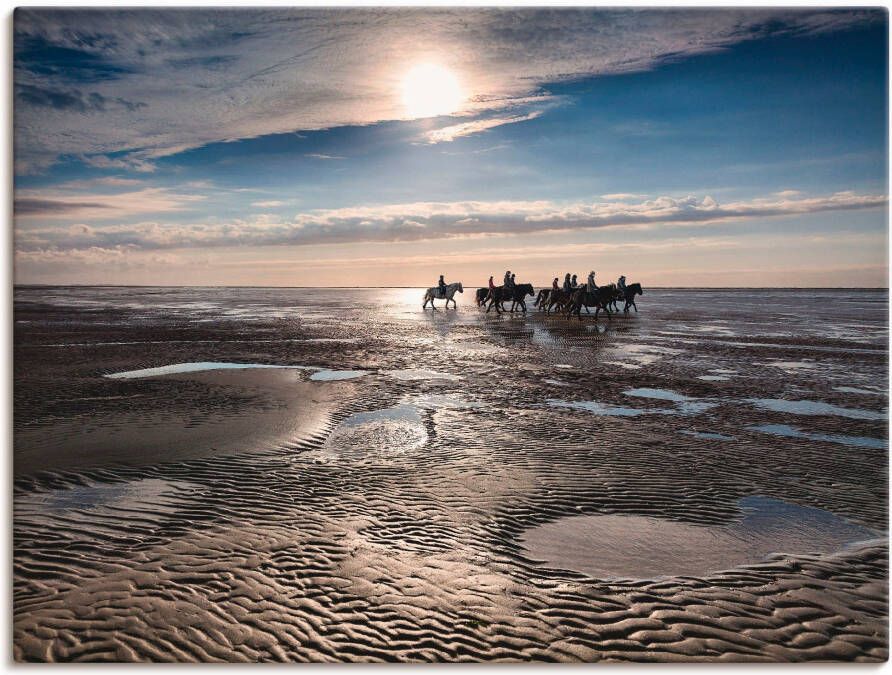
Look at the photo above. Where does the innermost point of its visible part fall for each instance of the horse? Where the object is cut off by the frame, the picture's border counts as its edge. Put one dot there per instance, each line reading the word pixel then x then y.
pixel 600 299
pixel 542 298
pixel 481 296
pixel 615 299
pixel 629 294
pixel 517 295
pixel 558 300
pixel 434 292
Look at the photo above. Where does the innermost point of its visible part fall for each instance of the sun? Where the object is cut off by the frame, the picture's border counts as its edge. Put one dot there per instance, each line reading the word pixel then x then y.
pixel 430 90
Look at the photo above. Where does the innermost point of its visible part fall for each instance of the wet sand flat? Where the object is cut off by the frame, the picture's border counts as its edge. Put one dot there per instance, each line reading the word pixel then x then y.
pixel 705 480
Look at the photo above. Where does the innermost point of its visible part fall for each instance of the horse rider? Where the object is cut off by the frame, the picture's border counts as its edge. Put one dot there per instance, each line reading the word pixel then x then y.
pixel 507 279
pixel 554 285
pixel 492 288
pixel 441 287
pixel 513 283
pixel 590 285
pixel 567 285
pixel 573 283
pixel 621 284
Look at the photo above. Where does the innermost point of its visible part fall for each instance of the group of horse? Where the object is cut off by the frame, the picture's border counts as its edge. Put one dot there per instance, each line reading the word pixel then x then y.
pixel 570 302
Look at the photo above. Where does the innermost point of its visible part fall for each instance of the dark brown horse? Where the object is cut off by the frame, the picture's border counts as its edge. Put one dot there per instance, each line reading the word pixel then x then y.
pixel 542 298
pixel 600 299
pixel 558 300
pixel 629 296
pixel 481 296
pixel 516 295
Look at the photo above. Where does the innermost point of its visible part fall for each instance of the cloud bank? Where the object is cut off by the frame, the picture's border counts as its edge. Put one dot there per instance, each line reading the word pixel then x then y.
pixel 121 88
pixel 430 220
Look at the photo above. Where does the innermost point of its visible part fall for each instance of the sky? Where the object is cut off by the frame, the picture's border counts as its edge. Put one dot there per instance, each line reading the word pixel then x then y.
pixel 384 147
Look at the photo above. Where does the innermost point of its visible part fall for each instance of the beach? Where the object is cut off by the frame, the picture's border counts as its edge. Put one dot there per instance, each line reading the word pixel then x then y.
pixel 328 475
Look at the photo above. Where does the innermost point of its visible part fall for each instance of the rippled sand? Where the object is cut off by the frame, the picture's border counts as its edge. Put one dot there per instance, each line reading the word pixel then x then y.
pixel 406 514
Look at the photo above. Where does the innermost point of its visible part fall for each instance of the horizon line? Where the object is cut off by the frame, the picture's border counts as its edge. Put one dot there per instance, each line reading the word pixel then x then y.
pixel 695 288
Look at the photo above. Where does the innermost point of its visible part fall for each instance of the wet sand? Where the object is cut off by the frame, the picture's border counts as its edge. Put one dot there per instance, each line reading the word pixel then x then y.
pixel 407 513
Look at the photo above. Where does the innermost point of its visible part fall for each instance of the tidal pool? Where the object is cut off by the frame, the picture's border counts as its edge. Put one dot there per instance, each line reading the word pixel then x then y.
pixel 641 547
pixel 709 435
pixel 421 374
pixel 146 496
pixel 195 367
pixel 332 375
pixel 815 408
pixel 793 432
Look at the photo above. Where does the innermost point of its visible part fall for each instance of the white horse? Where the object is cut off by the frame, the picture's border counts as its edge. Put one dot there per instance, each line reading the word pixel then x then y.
pixel 435 293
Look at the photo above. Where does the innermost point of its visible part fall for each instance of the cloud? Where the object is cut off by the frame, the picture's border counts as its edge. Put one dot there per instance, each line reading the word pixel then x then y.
pixel 622 196
pixel 268 204
pixel 60 205
pixel 130 162
pixel 122 87
pixel 435 220
pixel 106 181
pixel 450 133
pixel 319 155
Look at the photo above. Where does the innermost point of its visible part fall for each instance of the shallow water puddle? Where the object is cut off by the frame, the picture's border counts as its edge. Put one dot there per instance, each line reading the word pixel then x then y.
pixel 858 390
pixel 601 409
pixel 793 432
pixel 434 401
pixel 641 547
pixel 321 374
pixel 708 434
pixel 713 378
pixel 399 413
pixel 684 405
pixel 815 408
pixel 421 374
pixel 333 375
pixel 158 495
pixel 195 367
pixel 378 433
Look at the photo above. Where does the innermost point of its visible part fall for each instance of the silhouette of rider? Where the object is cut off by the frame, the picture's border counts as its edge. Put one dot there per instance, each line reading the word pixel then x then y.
pixel 567 285
pixel 441 287
pixel 573 283
pixel 621 283
pixel 590 285
pixel 507 279
pixel 554 285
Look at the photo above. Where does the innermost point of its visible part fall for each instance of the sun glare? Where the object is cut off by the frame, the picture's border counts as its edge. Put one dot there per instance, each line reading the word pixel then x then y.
pixel 430 90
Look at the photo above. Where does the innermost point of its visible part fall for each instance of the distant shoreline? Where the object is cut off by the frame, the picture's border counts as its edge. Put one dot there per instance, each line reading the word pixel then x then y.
pixel 655 288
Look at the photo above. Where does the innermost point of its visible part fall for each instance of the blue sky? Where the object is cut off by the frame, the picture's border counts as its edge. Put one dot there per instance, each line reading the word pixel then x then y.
pixel 713 148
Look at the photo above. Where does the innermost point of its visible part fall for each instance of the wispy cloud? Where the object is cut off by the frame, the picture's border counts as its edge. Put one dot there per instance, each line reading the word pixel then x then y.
pixel 60 205
pixel 434 220
pixel 319 155
pixel 137 85
pixel 450 133
pixel 622 196
pixel 268 204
